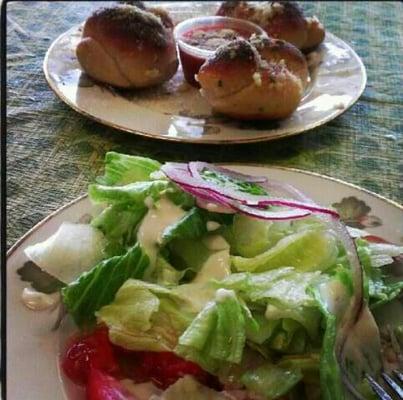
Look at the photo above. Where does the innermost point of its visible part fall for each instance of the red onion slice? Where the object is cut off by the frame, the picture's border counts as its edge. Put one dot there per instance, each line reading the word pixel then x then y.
pixel 182 177
pixel 196 166
pixel 270 215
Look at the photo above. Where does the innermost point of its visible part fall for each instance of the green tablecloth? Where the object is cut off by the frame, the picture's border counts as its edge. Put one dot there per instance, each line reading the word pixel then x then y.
pixel 53 152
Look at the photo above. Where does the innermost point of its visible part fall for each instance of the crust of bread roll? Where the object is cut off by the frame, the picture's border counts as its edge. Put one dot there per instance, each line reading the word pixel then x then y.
pixel 237 82
pixel 277 51
pixel 127 47
pixel 316 33
pixel 280 19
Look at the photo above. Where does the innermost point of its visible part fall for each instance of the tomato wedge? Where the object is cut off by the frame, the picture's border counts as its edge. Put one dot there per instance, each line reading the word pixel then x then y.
pixel 94 350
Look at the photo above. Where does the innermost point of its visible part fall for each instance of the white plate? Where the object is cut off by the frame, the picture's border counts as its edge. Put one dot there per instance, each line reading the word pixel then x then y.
pixel 175 111
pixel 32 364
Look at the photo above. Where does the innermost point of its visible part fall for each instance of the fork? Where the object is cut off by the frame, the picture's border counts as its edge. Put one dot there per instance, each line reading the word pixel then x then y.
pixel 393 385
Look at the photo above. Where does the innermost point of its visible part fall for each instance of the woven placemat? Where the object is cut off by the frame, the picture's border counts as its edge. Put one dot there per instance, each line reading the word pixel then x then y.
pixel 53 152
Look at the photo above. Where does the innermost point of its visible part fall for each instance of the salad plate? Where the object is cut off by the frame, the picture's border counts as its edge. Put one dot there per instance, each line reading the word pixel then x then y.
pixel 34 346
pixel 175 111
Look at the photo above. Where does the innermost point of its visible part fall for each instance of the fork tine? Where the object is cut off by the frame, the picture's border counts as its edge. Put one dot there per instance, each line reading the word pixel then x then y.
pixel 393 385
pixel 378 389
pixel 398 374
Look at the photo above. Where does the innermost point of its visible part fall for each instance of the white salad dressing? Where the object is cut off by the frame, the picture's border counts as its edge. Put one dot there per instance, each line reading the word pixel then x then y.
pixel 212 226
pixel 217 266
pixel 159 217
pixel 216 243
pixel 223 294
pixel 38 301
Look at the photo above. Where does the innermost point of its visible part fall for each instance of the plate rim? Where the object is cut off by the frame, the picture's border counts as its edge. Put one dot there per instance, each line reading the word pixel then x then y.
pixel 32 230
pixel 191 140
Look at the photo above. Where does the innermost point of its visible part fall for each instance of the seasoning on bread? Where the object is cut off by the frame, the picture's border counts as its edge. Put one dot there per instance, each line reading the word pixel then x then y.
pixel 277 50
pixel 239 83
pixel 128 47
pixel 280 19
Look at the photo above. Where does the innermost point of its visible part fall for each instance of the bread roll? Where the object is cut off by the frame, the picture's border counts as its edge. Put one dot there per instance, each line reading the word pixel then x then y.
pixel 280 19
pixel 316 33
pixel 237 82
pixel 127 47
pixel 277 51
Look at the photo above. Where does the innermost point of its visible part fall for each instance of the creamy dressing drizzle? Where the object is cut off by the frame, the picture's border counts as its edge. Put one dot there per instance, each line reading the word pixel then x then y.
pixel 38 301
pixel 159 217
pixel 217 267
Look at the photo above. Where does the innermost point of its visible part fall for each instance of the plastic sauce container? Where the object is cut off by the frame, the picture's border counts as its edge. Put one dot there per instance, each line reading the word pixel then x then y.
pixel 198 38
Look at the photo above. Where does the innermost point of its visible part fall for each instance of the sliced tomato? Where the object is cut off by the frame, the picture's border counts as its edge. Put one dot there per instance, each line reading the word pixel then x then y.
pixel 165 368
pixel 101 386
pixel 82 353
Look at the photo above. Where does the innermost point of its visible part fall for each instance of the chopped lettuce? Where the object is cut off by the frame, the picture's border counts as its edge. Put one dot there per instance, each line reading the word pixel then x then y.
pixel 165 274
pixel 330 373
pixel 193 225
pixel 217 335
pixel 250 235
pixel 119 224
pixel 271 381
pixel 381 288
pixel 72 250
pixel 97 287
pixel 308 250
pixel 121 169
pixel 285 286
pixel 132 193
pixel 260 303
pixel 145 317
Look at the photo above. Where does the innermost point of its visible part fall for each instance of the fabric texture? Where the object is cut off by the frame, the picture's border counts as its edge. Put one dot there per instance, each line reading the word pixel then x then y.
pixel 54 152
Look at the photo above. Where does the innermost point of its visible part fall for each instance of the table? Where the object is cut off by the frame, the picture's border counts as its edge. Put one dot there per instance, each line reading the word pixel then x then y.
pixel 53 152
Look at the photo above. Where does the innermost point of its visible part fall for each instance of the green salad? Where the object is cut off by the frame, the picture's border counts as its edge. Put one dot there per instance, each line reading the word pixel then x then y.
pixel 246 278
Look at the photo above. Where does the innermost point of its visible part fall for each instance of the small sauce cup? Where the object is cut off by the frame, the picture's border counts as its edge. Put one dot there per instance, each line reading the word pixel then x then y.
pixel 192 56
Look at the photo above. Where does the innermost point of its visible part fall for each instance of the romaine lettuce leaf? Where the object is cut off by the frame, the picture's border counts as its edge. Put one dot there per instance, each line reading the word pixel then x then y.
pixel 308 250
pixel 119 224
pixel 121 169
pixel 271 381
pixel 145 317
pixel 97 287
pixel 217 335
pixel 193 225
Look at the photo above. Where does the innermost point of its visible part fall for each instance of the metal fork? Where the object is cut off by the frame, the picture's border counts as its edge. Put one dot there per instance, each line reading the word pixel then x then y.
pixel 393 385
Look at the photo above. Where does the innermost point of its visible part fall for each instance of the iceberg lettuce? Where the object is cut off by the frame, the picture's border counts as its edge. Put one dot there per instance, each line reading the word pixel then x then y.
pixel 121 169
pixel 271 381
pixel 145 317
pixel 217 335
pixel 308 250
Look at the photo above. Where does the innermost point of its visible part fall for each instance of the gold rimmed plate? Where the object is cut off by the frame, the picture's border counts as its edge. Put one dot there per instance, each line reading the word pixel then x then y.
pixel 175 111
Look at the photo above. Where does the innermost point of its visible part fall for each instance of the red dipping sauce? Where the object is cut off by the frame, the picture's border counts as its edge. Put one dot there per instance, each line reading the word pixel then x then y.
pixel 199 38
